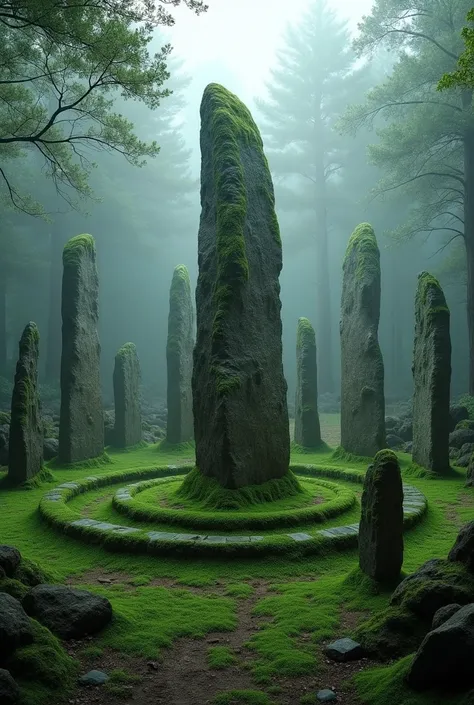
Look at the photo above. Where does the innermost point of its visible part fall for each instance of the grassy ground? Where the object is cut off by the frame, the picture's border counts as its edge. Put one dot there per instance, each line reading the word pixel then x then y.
pixel 271 616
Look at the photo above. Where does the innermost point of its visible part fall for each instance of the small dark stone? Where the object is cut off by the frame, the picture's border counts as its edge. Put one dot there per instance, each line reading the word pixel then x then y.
pixel 10 559
pixel 94 678
pixel 69 613
pixel 15 627
pixel 443 614
pixel 9 690
pixel 344 650
pixel 326 695
pixel 444 658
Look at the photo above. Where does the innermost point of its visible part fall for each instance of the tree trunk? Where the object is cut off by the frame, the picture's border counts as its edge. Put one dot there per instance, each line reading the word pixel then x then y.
pixel 3 322
pixel 469 232
pixel 53 346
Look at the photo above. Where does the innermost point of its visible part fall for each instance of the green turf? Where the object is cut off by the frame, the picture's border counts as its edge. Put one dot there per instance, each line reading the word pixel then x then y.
pixel 219 657
pixel 302 605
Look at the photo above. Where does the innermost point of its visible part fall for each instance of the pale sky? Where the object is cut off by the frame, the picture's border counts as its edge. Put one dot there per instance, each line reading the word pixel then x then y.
pixel 242 36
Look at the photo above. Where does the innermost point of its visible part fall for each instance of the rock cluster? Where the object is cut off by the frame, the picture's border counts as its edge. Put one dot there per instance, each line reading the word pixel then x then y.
pixel 68 613
pixel 239 392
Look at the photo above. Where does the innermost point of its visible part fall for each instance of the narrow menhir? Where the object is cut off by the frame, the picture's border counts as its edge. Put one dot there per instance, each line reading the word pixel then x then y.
pixel 307 427
pixel 81 424
pixel 362 371
pixel 179 358
pixel 239 391
pixel 431 376
pixel 25 451
pixel 381 521
pixel 126 379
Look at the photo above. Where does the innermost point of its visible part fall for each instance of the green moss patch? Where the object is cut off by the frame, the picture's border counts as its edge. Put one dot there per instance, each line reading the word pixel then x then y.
pixel 364 244
pixel 219 657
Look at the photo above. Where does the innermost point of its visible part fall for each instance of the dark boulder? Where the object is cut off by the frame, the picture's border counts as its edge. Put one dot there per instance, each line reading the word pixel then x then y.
pixel 457 413
pixel 69 613
pixel 394 441
pixel 405 431
pixel 443 614
pixel 458 438
pixel 391 423
pixel 444 659
pixel 10 559
pixel 463 549
pixel 9 690
pixel 50 448
pixel 15 627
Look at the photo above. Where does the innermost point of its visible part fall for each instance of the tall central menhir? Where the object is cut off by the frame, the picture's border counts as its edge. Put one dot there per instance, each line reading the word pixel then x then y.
pixel 239 391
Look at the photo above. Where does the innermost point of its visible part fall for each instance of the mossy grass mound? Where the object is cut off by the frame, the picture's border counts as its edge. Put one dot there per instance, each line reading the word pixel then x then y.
pixel 211 495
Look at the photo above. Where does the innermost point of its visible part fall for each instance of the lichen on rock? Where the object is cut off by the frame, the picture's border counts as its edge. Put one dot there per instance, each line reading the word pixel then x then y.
pixel 239 392
pixel 362 370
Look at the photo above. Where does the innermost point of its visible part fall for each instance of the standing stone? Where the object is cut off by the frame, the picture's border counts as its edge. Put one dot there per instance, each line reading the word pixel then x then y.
pixel 307 428
pixel 179 358
pixel 25 454
pixel 431 376
pixel 381 522
pixel 239 391
pixel 128 422
pixel 362 371
pixel 81 425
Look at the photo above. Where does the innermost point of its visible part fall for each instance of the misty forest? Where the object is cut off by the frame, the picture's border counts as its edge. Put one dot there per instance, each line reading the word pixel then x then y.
pixel 237 352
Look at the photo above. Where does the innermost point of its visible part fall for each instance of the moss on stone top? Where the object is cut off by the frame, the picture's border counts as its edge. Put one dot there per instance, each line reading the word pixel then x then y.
pixel 127 350
pixel 180 299
pixel 363 240
pixel 305 336
pixel 429 292
pixel 76 247
pixel 180 274
pixel 30 337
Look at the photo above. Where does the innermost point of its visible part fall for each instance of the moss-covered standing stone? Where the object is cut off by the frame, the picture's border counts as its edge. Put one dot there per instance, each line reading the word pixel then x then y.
pixel 179 358
pixel 239 391
pixel 81 425
pixel 307 427
pixel 128 422
pixel 362 370
pixel 26 431
pixel 431 376
pixel 381 522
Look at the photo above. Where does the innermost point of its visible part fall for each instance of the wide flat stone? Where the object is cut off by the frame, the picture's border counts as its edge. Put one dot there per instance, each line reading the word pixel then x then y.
pixel 189 537
pixel 84 522
pixel 344 650
pixel 299 537
pixel 124 530
pixel 161 536
pixel 326 695
pixel 238 539
pixel 215 539
pixel 94 678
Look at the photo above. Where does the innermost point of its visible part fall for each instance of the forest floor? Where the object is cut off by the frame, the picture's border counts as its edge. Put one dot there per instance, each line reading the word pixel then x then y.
pixel 239 631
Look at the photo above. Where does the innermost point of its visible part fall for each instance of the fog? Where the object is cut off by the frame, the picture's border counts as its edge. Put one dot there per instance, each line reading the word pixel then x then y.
pixel 146 220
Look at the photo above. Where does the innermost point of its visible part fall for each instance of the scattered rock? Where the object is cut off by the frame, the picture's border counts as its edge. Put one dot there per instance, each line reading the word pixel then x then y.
pixel 9 690
pixel 457 414
pixel 344 650
pixel 15 627
pixel 69 613
pixel 444 658
pixel 458 438
pixel 362 370
pixel 10 559
pixel 431 376
pixel 326 695
pixel 94 678
pixel 443 614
